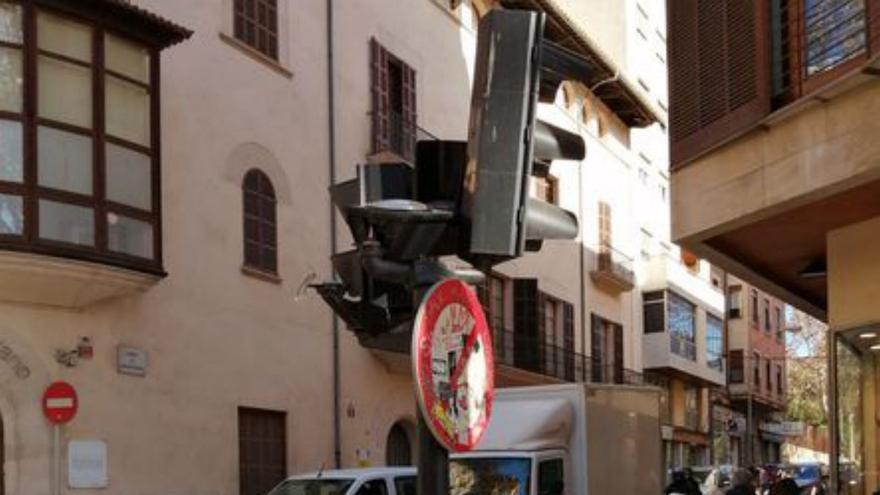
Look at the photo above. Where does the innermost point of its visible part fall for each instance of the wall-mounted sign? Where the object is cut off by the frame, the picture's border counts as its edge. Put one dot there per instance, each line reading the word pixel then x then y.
pixel 453 365
pixel 131 360
pixel 87 464
pixel 792 428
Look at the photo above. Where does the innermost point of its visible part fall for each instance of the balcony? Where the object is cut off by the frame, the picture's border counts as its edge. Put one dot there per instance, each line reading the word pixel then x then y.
pixel 665 271
pixel 676 355
pixel 612 270
pixel 401 143
pixel 515 354
pixel 519 360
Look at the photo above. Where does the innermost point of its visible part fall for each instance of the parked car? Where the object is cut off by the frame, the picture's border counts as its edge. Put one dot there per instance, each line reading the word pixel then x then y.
pixel 710 477
pixel 809 476
pixel 366 481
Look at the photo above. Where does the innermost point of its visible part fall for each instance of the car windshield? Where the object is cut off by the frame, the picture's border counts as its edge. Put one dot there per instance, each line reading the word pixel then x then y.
pixel 313 487
pixel 489 476
pixel 806 472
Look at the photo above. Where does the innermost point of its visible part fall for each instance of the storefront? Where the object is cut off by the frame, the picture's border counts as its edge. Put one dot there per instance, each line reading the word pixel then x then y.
pixel 855 421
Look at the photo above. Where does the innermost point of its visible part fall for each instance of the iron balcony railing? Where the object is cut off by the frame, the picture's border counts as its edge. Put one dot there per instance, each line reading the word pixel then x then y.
pixel 528 353
pixel 683 346
pixel 403 136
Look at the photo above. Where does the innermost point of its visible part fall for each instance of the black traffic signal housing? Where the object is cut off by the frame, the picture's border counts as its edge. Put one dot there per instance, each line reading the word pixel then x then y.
pixel 507 144
pixel 468 199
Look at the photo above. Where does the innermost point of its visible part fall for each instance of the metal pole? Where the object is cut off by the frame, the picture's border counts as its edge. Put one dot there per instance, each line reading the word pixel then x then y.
pixel 433 462
pixel 56 459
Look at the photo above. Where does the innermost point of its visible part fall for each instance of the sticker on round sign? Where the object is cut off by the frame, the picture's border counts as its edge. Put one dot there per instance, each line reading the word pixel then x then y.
pixel 453 365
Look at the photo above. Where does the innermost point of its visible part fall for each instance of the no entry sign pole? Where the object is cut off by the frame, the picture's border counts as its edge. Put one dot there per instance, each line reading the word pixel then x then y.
pixel 60 404
pixel 56 459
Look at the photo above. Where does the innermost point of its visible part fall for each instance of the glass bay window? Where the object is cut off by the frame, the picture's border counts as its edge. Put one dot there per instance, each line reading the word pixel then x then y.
pixel 78 164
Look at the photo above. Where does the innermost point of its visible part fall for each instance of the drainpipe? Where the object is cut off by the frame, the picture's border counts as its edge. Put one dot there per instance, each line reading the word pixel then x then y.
pixel 331 123
pixel 582 262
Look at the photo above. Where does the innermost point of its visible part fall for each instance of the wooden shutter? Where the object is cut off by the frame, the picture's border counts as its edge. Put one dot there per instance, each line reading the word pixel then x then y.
pixel 528 324
pixel 379 93
pixel 736 366
pixel 568 339
pixel 604 225
pixel 618 354
pixel 719 85
pixel 873 7
pixel 597 327
pixel 409 112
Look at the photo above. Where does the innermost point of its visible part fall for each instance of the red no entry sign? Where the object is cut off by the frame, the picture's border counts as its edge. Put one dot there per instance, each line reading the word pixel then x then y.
pixel 453 365
pixel 60 403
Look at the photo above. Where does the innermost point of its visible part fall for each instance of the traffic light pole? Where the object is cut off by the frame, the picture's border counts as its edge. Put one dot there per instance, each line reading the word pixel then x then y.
pixel 433 460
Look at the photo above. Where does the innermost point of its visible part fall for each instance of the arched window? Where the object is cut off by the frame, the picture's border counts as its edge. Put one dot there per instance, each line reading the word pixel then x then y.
pixel 398 451
pixel 260 231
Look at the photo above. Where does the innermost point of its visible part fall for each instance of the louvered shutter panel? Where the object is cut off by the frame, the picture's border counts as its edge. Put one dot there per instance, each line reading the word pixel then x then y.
pixel 719 84
pixel 409 112
pixel 526 325
pixel 596 329
pixel 379 95
pixel 618 354
pixel 736 366
pixel 873 7
pixel 539 344
pixel 568 339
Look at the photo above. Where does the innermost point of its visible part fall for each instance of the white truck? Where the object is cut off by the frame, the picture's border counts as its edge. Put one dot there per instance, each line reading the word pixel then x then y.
pixel 571 439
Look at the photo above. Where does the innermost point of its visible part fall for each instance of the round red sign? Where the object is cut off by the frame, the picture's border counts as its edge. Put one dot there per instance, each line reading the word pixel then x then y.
pixel 453 365
pixel 60 403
